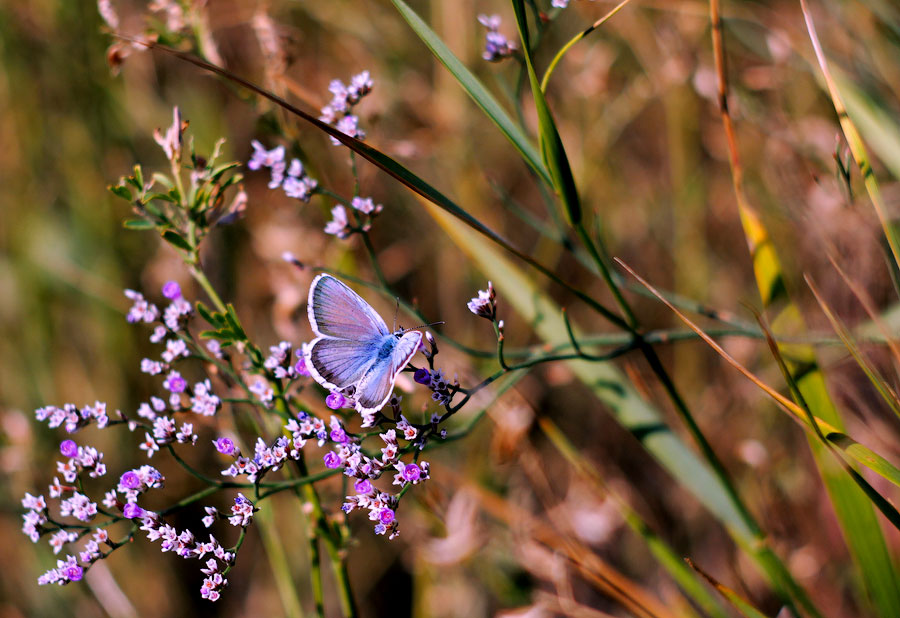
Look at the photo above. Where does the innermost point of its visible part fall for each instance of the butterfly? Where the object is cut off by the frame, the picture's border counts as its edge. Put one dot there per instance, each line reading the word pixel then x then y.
pixel 353 346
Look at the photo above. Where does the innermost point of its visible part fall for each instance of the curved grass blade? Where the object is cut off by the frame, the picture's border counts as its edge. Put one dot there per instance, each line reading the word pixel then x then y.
pixel 610 386
pixel 398 171
pixel 475 89
pixel 551 144
pixel 565 48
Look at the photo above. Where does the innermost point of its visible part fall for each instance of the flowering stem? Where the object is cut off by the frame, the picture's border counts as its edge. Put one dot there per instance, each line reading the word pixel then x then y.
pixel 500 340
pixel 320 529
pixel 191 499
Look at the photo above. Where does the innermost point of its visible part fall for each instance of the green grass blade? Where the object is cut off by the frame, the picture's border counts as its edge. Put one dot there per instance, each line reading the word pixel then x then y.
pixel 551 144
pixel 475 89
pixel 610 386
pixel 667 557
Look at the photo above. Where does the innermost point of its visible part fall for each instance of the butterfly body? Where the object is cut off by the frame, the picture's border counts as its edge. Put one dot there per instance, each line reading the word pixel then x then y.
pixel 353 349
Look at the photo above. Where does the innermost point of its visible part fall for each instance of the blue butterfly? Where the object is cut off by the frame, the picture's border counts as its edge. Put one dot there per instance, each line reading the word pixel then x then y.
pixel 353 346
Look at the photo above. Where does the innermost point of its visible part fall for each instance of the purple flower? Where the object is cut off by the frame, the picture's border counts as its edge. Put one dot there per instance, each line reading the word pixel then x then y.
pixel 422 376
pixel 363 486
pixel 265 158
pixel 332 460
pixel 130 480
pixel 68 448
pixel 132 511
pixel 171 290
pixel 224 446
pixel 73 573
pixel 411 472
pixel 339 435
pixel 335 401
pixel 496 46
pixel 300 367
pixel 386 516
pixel 175 383
pixel 339 222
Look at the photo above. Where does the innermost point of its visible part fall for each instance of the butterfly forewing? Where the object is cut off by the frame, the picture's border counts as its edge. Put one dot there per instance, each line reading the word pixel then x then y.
pixel 337 311
pixel 375 388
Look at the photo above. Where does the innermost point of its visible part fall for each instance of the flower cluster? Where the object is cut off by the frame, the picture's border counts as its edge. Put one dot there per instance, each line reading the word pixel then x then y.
pixel 339 112
pixel 35 517
pixel 279 362
pixel 80 458
pixel 72 418
pixel 185 545
pixel 442 390
pixel 365 210
pixel 292 179
pixel 496 46
pixel 265 458
pixel 485 304
pixel 381 505
pixel 135 482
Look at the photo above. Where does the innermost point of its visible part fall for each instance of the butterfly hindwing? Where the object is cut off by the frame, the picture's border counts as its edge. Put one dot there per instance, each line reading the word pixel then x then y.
pixel 339 363
pixel 376 386
pixel 337 311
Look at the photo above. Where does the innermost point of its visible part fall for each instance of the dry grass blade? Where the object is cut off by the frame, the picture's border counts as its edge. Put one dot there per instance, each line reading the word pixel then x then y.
pixel 593 568
pixel 869 308
pixel 788 405
pixel 883 388
pixel 737 601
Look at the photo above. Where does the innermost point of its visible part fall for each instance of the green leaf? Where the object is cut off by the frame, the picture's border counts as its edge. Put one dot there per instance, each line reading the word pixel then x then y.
pixel 551 144
pixel 165 197
pixel 224 335
pixel 122 191
pixel 138 224
pixel 208 315
pixel 232 319
pixel 163 180
pixel 176 240
pixel 139 176
pixel 475 89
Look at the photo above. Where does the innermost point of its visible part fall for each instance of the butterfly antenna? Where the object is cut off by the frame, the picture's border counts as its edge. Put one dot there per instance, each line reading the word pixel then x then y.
pixel 426 325
pixel 396 312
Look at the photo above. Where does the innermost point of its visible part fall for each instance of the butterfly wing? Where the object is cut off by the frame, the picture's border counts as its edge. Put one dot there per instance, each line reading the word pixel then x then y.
pixel 337 311
pixel 377 384
pixel 339 363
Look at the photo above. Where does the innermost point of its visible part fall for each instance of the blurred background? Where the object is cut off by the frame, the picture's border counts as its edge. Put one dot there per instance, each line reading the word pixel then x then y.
pixel 637 108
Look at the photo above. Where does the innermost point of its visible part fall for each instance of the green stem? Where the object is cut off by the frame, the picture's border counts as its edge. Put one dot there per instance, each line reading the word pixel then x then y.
pixel 603 267
pixel 200 277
